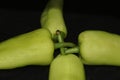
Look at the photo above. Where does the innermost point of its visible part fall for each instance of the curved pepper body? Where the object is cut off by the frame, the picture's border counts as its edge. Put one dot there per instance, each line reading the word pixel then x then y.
pixel 52 17
pixel 66 67
pixel 99 47
pixel 32 48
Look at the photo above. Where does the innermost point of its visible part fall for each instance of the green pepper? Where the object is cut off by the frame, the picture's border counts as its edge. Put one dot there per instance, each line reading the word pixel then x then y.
pixel 66 67
pixel 99 47
pixel 32 48
pixel 52 17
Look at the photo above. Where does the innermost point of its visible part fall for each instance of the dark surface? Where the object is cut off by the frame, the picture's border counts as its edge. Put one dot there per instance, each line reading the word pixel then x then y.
pixel 19 18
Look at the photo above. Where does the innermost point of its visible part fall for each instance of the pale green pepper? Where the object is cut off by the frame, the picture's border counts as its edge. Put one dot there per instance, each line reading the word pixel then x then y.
pixel 66 67
pixel 33 48
pixel 52 17
pixel 99 47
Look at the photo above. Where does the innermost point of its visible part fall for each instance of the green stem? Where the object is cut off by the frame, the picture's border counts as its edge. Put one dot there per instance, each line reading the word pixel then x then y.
pixel 60 40
pixel 64 44
pixel 72 50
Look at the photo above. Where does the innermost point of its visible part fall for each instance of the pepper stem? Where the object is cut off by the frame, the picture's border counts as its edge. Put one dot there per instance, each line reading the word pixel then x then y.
pixel 64 44
pixel 60 40
pixel 72 50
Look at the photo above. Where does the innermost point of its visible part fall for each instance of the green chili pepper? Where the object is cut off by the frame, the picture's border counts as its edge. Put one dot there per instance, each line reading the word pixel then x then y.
pixel 99 47
pixel 66 67
pixel 52 17
pixel 33 48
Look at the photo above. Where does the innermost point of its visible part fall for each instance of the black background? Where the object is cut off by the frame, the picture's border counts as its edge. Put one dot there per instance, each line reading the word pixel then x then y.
pixel 20 16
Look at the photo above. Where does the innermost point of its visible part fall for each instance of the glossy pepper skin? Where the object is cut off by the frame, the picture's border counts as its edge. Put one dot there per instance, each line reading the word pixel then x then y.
pixel 52 17
pixel 99 47
pixel 66 67
pixel 32 48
